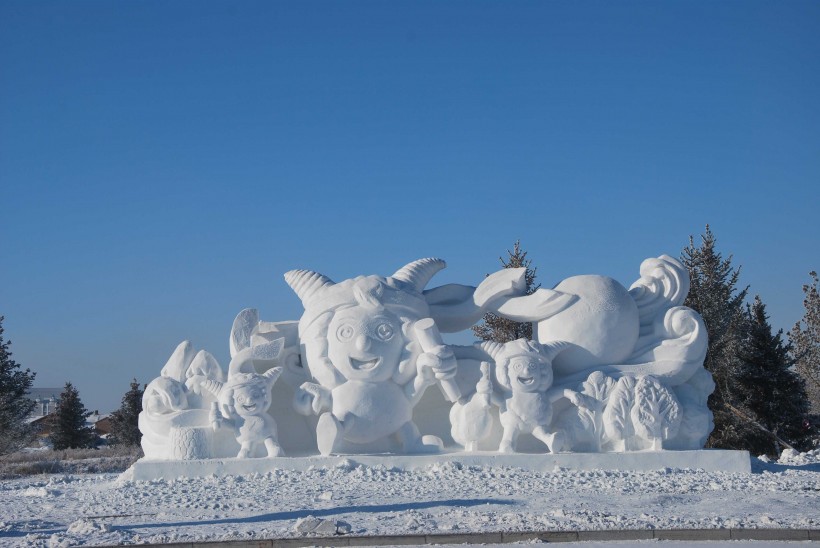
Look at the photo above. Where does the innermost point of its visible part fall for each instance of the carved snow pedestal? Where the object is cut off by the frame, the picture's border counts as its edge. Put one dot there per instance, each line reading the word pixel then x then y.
pixel 615 379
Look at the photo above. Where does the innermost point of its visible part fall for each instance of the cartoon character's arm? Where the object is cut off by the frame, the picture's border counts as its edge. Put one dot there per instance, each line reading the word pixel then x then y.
pixel 499 401
pixel 577 399
pixel 439 357
pixel 311 397
pixel 219 419
pixel 425 376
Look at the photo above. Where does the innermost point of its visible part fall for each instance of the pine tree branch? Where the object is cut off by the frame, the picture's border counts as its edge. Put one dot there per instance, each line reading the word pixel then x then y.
pixel 740 414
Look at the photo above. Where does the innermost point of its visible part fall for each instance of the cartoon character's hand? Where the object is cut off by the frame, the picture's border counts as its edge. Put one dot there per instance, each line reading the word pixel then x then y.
pixel 194 384
pixel 580 400
pixel 441 360
pixel 425 369
pixel 311 398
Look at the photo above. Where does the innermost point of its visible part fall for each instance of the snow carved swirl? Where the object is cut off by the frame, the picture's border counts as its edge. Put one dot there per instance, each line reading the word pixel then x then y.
pixel 664 283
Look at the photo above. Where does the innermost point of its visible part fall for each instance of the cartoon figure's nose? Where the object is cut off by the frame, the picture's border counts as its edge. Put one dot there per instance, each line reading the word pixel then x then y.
pixel 363 342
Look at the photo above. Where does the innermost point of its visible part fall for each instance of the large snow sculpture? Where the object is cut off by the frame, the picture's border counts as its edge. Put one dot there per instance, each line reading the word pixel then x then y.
pixel 611 370
pixel 373 350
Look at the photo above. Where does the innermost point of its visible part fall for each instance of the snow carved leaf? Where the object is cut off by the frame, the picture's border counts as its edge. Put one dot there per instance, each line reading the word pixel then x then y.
pixel 597 386
pixel 656 413
pixel 617 418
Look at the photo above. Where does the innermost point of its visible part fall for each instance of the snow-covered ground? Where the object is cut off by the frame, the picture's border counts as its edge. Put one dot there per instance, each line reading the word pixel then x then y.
pixel 67 510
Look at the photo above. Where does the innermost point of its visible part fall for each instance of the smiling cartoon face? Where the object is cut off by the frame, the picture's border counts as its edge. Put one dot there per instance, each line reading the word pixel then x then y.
pixel 365 343
pixel 528 374
pixel 251 399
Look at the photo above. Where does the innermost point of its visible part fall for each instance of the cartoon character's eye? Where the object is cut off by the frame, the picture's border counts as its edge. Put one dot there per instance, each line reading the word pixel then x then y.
pixel 384 331
pixel 518 366
pixel 345 332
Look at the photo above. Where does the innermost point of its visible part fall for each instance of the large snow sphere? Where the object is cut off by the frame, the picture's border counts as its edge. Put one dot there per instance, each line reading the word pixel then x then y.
pixel 602 325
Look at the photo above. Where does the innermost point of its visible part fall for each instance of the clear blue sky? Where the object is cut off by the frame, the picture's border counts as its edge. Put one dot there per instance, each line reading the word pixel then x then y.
pixel 162 164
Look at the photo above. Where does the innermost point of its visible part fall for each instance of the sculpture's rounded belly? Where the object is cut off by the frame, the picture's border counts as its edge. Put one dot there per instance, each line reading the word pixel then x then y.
pixel 370 411
pixel 602 325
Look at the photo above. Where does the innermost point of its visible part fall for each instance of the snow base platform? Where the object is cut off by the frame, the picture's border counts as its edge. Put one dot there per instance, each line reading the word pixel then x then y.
pixel 709 460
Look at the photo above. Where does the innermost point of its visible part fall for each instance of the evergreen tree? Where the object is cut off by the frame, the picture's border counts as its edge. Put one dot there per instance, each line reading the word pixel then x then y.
pixel 714 293
pixel 773 396
pixel 498 329
pixel 805 339
pixel 69 429
pixel 15 406
pixel 124 421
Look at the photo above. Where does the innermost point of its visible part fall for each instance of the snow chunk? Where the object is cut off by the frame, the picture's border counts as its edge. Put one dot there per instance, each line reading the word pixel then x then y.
pixel 319 526
pixel 40 492
pixel 84 526
pixel 790 456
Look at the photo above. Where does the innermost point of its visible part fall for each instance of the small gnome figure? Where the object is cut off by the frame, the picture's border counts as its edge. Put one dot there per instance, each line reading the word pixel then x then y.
pixel 244 400
pixel 471 421
pixel 523 369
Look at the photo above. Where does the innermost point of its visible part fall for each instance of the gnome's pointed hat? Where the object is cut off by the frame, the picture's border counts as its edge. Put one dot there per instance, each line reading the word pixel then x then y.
pixel 401 292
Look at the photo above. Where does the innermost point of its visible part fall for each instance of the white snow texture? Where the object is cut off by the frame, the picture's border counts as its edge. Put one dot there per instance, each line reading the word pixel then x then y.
pixel 61 510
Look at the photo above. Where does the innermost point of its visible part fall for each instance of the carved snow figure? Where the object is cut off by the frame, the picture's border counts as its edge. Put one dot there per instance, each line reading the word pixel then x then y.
pixel 165 405
pixel 372 349
pixel 202 368
pixel 472 421
pixel 244 400
pixel 524 369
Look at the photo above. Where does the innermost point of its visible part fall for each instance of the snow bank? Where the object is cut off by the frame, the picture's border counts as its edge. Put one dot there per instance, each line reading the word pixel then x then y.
pixel 375 500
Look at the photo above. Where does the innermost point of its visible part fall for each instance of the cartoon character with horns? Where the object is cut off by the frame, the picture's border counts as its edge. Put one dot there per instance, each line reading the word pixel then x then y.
pixel 524 369
pixel 369 344
pixel 244 400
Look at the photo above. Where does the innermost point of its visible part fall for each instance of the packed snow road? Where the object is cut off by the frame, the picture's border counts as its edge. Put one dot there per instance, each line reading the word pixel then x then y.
pixel 63 510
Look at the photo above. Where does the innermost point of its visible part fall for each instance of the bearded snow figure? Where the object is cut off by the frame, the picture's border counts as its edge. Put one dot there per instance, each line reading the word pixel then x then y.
pixel 372 349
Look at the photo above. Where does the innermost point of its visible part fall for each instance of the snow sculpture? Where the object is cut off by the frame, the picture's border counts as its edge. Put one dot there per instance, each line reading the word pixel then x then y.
pixel 245 399
pixel 667 355
pixel 524 369
pixel 611 370
pixel 471 421
pixel 369 344
pixel 184 408
pixel 172 427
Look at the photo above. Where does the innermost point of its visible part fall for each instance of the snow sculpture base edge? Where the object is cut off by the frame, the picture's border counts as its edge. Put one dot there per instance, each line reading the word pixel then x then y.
pixel 709 460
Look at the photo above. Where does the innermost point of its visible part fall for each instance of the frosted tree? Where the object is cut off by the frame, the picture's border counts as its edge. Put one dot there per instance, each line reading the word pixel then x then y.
pixel 714 293
pixel 774 398
pixel 124 421
pixel 15 405
pixel 501 330
pixel 805 340
pixel 69 430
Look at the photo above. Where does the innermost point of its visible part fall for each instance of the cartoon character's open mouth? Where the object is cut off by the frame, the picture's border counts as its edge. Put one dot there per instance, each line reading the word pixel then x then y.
pixel 250 407
pixel 360 365
pixel 526 380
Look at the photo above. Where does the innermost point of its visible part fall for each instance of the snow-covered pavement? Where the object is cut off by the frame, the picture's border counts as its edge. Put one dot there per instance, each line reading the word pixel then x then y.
pixel 105 509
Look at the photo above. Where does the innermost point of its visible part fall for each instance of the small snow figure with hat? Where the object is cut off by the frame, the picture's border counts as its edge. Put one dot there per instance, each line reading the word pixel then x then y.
pixel 523 368
pixel 244 400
